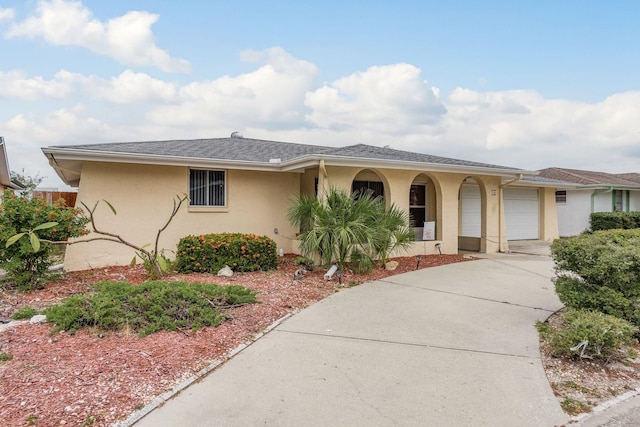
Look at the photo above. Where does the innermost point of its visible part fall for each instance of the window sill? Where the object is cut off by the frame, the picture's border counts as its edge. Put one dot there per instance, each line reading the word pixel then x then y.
pixel 208 209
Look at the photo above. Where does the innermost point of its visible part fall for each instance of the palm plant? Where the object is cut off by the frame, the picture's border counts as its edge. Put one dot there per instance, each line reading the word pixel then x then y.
pixel 349 226
pixel 392 232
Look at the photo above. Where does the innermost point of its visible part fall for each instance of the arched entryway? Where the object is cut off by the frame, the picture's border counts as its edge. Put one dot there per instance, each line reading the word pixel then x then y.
pixel 471 215
pixel 423 208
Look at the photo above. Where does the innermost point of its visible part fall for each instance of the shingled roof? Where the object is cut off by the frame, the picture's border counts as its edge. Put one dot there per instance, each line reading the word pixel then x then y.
pixel 258 150
pixel 591 177
pixel 257 154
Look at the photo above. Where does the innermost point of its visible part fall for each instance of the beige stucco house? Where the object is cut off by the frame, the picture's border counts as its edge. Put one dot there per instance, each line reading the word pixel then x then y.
pixel 245 185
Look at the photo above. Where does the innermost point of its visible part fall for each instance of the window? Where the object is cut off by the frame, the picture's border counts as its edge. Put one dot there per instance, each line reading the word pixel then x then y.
pixel 417 205
pixel 207 188
pixel 375 187
pixel 561 197
pixel 617 200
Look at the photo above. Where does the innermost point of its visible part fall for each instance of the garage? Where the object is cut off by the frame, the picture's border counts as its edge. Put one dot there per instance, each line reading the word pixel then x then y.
pixel 522 213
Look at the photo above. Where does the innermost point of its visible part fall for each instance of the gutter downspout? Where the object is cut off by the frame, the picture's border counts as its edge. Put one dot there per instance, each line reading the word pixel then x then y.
pixel 503 246
pixel 597 193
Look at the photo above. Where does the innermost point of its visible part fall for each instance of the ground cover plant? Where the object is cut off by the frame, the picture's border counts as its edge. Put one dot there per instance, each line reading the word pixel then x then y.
pixel 589 335
pixel 149 307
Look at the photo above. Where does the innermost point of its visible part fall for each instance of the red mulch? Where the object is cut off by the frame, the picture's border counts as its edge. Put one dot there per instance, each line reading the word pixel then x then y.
pixel 62 379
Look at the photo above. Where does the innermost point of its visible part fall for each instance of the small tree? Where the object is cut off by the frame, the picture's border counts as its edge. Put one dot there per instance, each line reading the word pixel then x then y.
pixel 153 259
pixel 27 261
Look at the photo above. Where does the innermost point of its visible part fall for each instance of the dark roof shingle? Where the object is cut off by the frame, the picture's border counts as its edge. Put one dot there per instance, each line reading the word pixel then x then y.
pixel 589 177
pixel 257 150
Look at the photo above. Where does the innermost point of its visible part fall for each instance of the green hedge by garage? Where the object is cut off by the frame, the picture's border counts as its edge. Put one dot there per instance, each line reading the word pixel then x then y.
pixel 600 272
pixel 615 220
pixel 210 252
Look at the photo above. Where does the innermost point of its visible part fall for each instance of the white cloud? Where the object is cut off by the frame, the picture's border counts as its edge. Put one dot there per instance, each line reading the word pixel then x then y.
pixel 127 88
pixel 281 100
pixel 393 99
pixel 130 87
pixel 6 14
pixel 128 38
pixel 16 84
pixel 272 96
pixel 25 134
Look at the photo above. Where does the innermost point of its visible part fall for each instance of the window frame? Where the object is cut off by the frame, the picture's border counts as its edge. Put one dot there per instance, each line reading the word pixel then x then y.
pixel 561 199
pixel 414 206
pixel 207 192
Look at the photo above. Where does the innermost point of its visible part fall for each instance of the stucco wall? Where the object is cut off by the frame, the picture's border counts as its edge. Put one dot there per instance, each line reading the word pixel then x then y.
pixel 142 195
pixel 549 228
pixel 573 216
pixel 602 202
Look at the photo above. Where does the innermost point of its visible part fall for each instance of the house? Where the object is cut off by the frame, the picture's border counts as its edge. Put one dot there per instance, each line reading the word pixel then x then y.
pixel 5 172
pixel 588 191
pixel 245 185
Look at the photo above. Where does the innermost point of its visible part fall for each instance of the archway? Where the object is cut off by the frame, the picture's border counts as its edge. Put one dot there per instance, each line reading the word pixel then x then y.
pixel 471 215
pixel 423 208
pixel 370 181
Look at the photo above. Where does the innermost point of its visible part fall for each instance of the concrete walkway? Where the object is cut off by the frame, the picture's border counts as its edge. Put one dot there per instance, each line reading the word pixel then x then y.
pixel 448 346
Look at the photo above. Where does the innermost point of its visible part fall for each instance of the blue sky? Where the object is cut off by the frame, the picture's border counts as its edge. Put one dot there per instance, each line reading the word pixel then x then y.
pixel 525 84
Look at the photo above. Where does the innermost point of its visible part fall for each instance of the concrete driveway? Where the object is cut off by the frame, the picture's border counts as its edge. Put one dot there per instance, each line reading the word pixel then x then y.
pixel 448 346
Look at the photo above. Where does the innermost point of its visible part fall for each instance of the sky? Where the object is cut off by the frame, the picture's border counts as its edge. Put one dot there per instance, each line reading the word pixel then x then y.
pixel 522 84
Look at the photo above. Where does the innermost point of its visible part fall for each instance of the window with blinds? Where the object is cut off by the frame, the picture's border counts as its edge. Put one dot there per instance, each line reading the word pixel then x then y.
pixel 206 188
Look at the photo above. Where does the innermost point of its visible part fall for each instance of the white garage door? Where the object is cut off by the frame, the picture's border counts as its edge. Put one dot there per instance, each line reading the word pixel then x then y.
pixel 471 215
pixel 522 213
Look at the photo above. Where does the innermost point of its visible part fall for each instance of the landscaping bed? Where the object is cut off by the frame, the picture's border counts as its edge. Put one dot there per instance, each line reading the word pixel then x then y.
pixel 581 385
pixel 94 378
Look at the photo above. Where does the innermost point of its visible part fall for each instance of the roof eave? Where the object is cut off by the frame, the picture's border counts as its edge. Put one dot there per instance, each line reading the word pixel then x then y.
pixel 312 160
pixel 60 158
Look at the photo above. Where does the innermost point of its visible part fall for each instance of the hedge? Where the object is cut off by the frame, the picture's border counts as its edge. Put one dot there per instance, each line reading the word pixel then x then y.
pixel 600 271
pixel 242 252
pixel 614 220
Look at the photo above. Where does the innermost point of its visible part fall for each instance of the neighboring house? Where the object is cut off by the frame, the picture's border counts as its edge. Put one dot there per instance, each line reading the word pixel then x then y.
pixel 5 172
pixel 589 191
pixel 245 185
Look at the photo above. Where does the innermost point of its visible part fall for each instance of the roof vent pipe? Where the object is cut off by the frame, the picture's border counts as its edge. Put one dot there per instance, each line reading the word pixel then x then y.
pixel 236 134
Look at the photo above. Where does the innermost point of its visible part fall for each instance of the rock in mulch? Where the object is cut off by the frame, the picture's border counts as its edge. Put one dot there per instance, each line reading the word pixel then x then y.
pixel 225 271
pixel 391 265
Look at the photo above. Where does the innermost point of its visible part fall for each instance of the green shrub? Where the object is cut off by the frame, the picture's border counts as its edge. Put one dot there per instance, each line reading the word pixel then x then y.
pixel 24 313
pixel 588 334
pixel 149 307
pixel 604 258
pixel 242 252
pixel 614 220
pixel 28 269
pixel 5 357
pixel 574 293
pixel 600 271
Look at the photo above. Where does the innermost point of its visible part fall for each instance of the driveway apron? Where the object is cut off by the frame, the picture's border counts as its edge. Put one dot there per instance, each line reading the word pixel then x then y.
pixel 447 346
